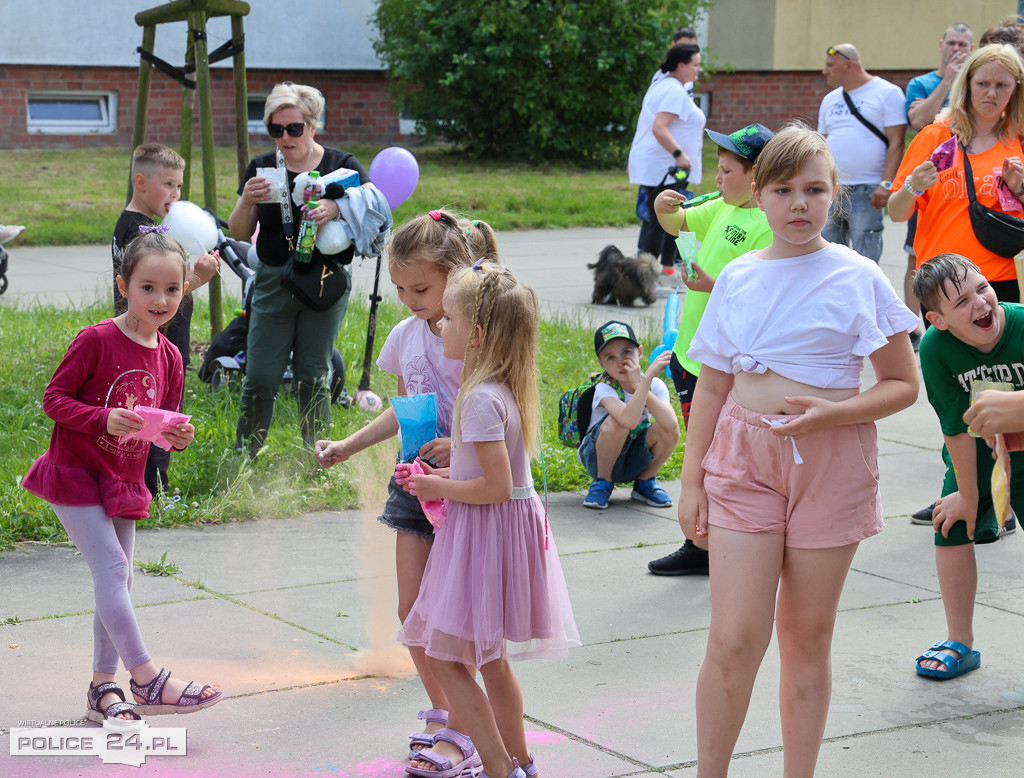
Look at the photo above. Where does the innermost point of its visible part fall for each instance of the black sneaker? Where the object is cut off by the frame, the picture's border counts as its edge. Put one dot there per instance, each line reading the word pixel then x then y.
pixel 688 560
pixel 1010 526
pixel 923 516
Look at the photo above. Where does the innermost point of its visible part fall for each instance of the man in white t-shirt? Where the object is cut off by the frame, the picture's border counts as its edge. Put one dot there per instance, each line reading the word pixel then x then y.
pixel 867 156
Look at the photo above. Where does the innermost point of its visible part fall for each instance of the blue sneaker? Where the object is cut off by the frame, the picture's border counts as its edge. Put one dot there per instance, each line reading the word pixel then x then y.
pixel 598 495
pixel 650 492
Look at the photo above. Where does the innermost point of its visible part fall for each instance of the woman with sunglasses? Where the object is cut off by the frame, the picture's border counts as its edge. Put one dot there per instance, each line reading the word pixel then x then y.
pixel 279 324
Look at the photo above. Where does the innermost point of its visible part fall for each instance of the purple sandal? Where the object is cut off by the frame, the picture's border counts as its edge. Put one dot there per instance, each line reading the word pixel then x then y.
pixel 112 711
pixel 432 716
pixel 517 771
pixel 190 700
pixel 445 768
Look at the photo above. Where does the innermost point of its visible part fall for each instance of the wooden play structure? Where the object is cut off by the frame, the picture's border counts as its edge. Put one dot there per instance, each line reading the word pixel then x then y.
pixel 195 80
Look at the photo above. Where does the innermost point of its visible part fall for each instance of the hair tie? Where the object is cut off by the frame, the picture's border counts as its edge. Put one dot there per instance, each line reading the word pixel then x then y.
pixel 435 215
pixel 155 228
pixel 476 223
pixel 479 262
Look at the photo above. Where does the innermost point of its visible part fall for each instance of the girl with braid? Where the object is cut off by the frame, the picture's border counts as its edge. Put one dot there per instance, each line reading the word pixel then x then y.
pixel 493 589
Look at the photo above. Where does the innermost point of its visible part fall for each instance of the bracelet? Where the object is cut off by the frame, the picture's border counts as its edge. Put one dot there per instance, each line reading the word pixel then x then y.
pixel 910 188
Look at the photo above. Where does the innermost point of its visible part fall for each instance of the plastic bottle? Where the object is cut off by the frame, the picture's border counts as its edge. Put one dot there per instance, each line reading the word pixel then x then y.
pixel 313 189
pixel 307 234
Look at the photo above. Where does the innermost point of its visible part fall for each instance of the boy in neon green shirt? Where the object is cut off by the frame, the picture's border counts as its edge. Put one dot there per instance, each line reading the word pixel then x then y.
pixel 727 228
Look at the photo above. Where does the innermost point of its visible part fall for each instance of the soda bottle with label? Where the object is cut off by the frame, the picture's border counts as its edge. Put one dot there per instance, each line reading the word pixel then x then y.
pixel 307 234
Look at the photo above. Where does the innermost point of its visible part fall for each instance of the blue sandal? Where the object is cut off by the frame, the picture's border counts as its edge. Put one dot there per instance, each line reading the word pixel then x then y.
pixel 967 661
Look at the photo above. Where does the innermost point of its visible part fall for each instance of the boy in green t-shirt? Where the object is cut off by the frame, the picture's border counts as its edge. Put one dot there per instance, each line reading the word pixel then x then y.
pixel 727 228
pixel 973 337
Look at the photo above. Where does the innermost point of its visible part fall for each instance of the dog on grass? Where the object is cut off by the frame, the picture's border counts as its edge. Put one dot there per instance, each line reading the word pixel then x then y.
pixel 620 279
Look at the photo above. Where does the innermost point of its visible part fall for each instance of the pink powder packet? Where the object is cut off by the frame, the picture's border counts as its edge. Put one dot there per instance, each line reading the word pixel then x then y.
pixel 945 155
pixel 1007 202
pixel 432 509
pixel 154 422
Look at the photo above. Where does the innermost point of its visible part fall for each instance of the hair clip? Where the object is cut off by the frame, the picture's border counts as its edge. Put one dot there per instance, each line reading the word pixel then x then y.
pixel 155 228
pixel 479 262
pixel 435 215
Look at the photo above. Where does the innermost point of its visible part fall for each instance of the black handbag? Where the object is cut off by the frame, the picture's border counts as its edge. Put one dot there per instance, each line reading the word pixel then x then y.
pixel 318 285
pixel 999 232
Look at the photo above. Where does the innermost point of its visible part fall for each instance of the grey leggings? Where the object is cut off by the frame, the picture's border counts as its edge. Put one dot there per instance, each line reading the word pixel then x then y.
pixel 107 545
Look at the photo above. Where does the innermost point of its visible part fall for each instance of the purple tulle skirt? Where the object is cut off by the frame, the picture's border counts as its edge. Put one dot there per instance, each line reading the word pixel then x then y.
pixel 490 589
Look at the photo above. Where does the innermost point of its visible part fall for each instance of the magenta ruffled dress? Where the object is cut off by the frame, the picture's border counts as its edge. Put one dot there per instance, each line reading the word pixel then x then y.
pixel 491 590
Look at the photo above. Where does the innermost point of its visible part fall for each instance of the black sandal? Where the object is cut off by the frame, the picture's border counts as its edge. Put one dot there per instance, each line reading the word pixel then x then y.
pixel 112 711
pixel 190 700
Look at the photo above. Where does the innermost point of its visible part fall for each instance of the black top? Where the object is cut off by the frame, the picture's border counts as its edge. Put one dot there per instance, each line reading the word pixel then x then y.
pixel 271 246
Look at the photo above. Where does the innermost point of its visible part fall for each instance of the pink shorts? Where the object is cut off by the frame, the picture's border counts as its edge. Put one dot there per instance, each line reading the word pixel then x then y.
pixel 754 484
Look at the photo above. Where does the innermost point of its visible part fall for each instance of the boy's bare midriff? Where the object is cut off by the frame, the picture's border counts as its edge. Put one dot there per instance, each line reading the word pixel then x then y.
pixel 767 392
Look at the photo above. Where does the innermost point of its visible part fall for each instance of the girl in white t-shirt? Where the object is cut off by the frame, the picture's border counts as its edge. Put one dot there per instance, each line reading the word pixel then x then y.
pixel 422 253
pixel 781 469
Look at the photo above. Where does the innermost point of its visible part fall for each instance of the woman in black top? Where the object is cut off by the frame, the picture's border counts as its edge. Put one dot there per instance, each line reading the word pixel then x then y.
pixel 279 324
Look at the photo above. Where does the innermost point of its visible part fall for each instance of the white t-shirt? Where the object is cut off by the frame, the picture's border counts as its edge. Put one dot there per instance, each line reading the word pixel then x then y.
pixel 658 75
pixel 603 391
pixel 811 319
pixel 859 153
pixel 416 354
pixel 648 160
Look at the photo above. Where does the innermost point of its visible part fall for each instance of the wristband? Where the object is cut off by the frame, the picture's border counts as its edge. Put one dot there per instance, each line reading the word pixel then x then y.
pixel 677 154
pixel 910 188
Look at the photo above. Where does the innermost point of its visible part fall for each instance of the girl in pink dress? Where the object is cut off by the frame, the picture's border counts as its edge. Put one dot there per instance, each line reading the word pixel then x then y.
pixel 493 588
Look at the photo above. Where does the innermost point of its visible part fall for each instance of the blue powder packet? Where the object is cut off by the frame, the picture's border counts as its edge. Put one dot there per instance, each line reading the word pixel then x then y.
pixel 417 420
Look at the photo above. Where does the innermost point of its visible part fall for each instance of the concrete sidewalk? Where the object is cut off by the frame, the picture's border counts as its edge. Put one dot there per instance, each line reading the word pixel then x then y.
pixel 293 619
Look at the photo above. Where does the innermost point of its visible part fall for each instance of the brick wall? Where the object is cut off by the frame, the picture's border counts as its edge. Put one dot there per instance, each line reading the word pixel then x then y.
pixel 773 98
pixel 359 108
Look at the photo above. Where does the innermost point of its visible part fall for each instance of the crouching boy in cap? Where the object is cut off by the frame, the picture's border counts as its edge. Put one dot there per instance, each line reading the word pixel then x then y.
pixel 633 428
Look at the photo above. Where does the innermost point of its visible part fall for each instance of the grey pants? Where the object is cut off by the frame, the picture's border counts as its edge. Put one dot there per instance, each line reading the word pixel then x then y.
pixel 108 545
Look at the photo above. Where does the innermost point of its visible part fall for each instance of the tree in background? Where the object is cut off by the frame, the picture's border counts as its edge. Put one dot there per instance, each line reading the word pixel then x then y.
pixel 527 79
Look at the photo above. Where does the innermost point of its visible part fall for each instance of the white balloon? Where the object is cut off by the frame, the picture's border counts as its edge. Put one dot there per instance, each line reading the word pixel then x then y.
pixel 192 227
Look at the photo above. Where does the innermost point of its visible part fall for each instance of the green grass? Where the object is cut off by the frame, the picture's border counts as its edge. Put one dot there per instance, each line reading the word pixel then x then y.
pixel 213 482
pixel 73 196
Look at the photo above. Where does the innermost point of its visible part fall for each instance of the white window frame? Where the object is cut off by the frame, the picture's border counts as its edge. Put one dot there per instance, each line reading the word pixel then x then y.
pixel 105 125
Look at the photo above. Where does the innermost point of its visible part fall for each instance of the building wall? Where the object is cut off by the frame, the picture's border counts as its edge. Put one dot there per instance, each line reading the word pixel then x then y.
pixel 773 98
pixel 789 35
pixel 359 109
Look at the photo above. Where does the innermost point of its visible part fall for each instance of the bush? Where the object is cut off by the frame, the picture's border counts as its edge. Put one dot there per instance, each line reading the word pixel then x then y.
pixel 527 79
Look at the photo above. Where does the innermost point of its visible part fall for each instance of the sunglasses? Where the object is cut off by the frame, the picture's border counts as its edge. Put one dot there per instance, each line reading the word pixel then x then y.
pixel 294 130
pixel 831 51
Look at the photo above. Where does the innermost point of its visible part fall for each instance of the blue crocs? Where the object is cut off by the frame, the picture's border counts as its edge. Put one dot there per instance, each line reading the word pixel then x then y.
pixel 968 660
pixel 650 492
pixel 597 497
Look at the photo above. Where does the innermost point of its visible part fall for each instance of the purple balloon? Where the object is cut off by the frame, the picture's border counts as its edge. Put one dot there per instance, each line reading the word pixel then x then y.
pixel 395 172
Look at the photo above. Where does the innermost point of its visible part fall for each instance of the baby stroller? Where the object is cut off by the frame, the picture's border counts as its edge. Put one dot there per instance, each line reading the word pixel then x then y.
pixel 225 358
pixel 7 233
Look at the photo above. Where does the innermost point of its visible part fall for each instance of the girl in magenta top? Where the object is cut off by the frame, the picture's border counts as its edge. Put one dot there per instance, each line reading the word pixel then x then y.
pixel 92 473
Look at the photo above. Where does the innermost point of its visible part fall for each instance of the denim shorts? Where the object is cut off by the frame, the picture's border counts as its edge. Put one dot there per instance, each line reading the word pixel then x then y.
pixel 402 512
pixel 634 457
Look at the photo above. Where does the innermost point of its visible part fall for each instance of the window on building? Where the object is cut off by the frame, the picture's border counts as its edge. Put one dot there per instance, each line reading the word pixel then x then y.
pixel 703 101
pixel 72 113
pixel 256 103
